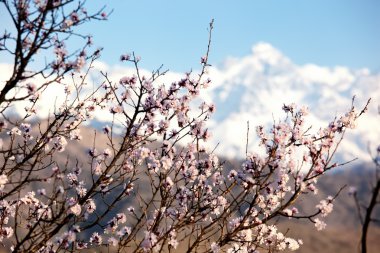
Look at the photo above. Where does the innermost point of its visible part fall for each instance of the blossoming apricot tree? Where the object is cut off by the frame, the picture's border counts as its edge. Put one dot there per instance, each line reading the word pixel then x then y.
pixel 155 187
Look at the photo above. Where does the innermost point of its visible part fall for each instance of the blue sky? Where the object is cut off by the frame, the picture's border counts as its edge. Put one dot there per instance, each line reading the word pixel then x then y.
pixel 173 33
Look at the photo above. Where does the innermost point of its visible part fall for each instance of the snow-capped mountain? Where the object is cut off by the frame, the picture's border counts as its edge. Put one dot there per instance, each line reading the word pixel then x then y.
pixel 255 87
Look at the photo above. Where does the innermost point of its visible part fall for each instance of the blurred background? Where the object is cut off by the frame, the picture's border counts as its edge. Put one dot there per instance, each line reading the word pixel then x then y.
pixel 263 54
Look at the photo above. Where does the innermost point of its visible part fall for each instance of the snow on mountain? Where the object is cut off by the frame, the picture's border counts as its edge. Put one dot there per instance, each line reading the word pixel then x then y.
pixel 254 88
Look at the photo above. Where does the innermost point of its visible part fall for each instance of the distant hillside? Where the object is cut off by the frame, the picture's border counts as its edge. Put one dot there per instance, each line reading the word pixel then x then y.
pixel 343 229
pixel 342 233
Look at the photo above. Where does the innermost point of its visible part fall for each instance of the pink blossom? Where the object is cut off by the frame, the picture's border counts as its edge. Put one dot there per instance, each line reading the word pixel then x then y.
pixel 76 209
pixel 96 239
pixel 320 225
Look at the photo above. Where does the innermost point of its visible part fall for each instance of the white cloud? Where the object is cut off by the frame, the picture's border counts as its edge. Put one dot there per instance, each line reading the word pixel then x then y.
pixel 44 106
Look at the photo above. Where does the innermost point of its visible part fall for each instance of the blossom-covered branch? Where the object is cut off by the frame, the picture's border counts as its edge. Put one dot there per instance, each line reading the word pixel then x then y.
pixel 147 181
